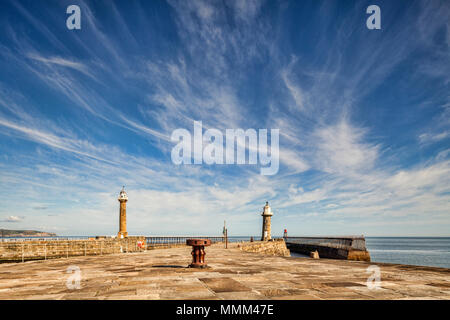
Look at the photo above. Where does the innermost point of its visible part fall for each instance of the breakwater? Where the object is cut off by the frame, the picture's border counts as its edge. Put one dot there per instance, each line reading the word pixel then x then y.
pixel 232 274
pixel 16 250
pixel 348 248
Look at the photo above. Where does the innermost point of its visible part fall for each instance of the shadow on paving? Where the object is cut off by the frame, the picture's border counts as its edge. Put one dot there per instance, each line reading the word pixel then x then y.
pixel 168 266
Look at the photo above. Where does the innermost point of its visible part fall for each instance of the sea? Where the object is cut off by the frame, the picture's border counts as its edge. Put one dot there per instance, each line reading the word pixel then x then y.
pixel 418 251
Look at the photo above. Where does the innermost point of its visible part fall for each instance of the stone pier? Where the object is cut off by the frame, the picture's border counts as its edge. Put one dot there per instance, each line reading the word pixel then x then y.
pixel 232 274
pixel 348 248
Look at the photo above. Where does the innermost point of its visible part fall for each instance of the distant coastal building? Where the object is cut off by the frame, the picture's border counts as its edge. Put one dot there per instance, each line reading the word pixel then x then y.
pixel 266 214
pixel 123 198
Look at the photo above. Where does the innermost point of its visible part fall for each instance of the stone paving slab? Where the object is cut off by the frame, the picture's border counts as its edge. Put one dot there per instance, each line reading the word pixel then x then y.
pixel 232 274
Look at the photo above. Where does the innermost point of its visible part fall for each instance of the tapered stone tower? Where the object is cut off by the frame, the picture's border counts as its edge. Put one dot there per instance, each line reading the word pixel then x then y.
pixel 266 214
pixel 123 198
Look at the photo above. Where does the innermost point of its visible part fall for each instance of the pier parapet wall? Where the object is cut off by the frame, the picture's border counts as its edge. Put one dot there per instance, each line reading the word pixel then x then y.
pixel 348 248
pixel 16 251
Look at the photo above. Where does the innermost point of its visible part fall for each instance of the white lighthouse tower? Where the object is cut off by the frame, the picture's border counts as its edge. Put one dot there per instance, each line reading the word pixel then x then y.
pixel 266 214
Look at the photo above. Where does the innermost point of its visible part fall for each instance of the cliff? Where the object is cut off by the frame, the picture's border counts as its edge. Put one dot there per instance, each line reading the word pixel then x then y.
pixel 25 233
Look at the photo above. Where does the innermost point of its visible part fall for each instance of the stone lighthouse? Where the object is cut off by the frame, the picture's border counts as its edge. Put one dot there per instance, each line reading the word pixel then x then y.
pixel 267 215
pixel 123 198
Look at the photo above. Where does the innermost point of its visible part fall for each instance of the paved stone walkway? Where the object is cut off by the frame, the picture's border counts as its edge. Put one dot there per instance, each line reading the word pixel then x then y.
pixel 233 274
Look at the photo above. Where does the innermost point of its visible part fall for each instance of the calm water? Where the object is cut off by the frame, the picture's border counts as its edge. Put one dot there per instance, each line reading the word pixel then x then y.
pixel 418 251
pixel 433 252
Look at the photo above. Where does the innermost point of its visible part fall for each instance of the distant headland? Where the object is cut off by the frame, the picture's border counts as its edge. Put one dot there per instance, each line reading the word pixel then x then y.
pixel 25 233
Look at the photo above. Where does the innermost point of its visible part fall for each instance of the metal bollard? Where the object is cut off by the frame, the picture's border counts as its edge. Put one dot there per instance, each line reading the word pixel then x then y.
pixel 198 252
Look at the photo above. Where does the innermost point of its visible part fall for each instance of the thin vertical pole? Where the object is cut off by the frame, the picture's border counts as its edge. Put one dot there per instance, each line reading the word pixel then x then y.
pixel 226 238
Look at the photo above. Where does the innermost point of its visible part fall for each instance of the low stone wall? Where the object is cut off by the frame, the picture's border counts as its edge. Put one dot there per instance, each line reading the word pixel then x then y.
pixel 50 249
pixel 276 247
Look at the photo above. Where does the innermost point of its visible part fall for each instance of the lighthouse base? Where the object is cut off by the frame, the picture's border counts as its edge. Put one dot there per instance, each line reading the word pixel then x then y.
pixel 121 235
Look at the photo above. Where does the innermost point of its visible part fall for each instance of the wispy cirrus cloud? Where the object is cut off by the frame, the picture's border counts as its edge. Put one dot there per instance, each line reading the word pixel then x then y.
pixel 61 62
pixel 430 137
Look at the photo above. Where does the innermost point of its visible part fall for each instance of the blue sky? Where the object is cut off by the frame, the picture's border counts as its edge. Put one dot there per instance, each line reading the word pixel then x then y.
pixel 364 116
